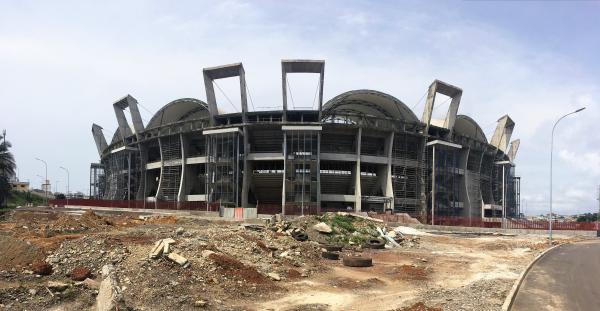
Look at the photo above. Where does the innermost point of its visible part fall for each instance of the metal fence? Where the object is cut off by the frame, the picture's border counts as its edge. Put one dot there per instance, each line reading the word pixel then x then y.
pixel 294 209
pixel 139 204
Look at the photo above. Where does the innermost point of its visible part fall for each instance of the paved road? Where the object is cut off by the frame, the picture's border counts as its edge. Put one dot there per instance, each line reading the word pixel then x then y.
pixel 566 278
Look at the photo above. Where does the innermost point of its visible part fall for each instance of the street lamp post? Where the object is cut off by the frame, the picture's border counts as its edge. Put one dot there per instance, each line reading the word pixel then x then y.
pixel 551 150
pixel 46 180
pixel 68 182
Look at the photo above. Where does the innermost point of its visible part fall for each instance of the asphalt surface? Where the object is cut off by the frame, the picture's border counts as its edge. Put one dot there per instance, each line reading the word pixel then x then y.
pixel 566 278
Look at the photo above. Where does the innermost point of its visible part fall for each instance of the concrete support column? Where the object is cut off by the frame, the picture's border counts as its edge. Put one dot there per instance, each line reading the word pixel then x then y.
pixel 181 194
pixel 433 186
pixel 284 172
pixel 319 171
pixel 357 187
pixel 141 192
pixel 160 179
pixel 387 188
pixel 246 177
pixel 481 186
pixel 466 181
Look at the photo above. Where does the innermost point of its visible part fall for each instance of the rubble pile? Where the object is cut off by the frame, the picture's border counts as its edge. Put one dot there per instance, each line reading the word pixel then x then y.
pixel 72 224
pixel 347 229
pixel 91 252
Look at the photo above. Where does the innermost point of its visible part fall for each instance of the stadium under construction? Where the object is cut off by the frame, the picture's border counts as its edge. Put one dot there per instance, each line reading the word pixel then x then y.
pixel 362 150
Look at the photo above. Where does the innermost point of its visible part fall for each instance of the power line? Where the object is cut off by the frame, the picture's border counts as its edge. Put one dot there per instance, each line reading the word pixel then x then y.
pixel 316 90
pixel 415 106
pixel 232 105
pixel 291 96
pixel 150 112
pixel 440 105
pixel 250 96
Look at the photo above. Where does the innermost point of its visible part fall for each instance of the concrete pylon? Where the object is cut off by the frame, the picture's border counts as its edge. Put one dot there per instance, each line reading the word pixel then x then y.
pixel 220 72
pixel 512 151
pixel 446 89
pixel 136 119
pixel 99 138
pixel 502 133
pixel 301 66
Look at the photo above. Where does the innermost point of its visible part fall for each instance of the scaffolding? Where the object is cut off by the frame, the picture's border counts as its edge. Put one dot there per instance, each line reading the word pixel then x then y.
pixel 447 182
pixel 407 170
pixel 224 168
pixel 473 180
pixel 97 181
pixel 302 169
pixel 171 171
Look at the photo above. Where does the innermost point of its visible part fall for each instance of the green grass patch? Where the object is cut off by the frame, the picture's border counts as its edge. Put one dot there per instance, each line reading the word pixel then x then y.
pixel 18 198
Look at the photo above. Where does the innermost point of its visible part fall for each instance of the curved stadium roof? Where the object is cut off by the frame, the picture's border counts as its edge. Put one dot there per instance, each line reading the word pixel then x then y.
pixel 179 110
pixel 370 103
pixel 466 126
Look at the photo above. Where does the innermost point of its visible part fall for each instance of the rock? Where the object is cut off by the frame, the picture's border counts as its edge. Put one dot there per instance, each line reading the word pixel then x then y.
pixel 32 291
pixel 168 241
pixel 180 231
pixel 200 303
pixel 157 250
pixel 322 227
pixel 42 268
pixel 206 253
pixel 57 286
pixel 91 284
pixel 80 273
pixel 109 296
pixel 182 261
pixel 274 276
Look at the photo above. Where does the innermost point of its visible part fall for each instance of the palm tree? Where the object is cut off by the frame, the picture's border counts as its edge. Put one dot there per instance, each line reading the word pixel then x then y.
pixel 7 168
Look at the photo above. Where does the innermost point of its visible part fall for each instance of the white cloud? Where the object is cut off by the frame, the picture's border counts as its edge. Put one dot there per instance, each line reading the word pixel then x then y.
pixel 586 162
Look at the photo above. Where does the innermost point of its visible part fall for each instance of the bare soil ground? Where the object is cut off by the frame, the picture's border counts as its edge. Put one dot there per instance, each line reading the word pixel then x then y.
pixel 251 268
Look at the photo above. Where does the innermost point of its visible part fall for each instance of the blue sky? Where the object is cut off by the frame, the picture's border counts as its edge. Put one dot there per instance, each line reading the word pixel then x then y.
pixel 63 63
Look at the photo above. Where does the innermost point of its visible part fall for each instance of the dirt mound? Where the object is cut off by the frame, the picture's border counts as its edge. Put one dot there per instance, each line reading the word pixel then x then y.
pixel 236 268
pixel 162 220
pixel 419 306
pixel 88 220
pixel 18 253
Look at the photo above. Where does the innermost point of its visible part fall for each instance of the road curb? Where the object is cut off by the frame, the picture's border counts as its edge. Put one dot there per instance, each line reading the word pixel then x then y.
pixel 508 302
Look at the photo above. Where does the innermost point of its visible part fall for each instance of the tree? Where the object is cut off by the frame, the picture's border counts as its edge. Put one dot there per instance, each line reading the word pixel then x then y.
pixel 7 168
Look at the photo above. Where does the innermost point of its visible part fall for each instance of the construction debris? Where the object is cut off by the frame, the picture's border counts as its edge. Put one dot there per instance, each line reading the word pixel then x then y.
pixel 322 227
pixel 161 247
pixel 110 295
pixel 410 231
pixel 182 261
pixel 57 286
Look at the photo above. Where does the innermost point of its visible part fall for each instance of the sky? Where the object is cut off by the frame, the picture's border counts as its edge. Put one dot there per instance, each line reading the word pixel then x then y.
pixel 63 64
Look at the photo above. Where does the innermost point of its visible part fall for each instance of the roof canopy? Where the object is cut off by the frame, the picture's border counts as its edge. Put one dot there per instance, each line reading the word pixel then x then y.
pixel 179 110
pixel 466 126
pixel 369 103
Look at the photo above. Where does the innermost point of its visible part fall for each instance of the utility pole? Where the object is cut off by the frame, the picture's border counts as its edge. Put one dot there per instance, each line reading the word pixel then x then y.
pixel 46 180
pixel 550 219
pixel 598 214
pixel 68 182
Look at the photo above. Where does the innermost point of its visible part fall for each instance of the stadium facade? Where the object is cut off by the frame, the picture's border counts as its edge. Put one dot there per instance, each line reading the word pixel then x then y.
pixel 362 150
